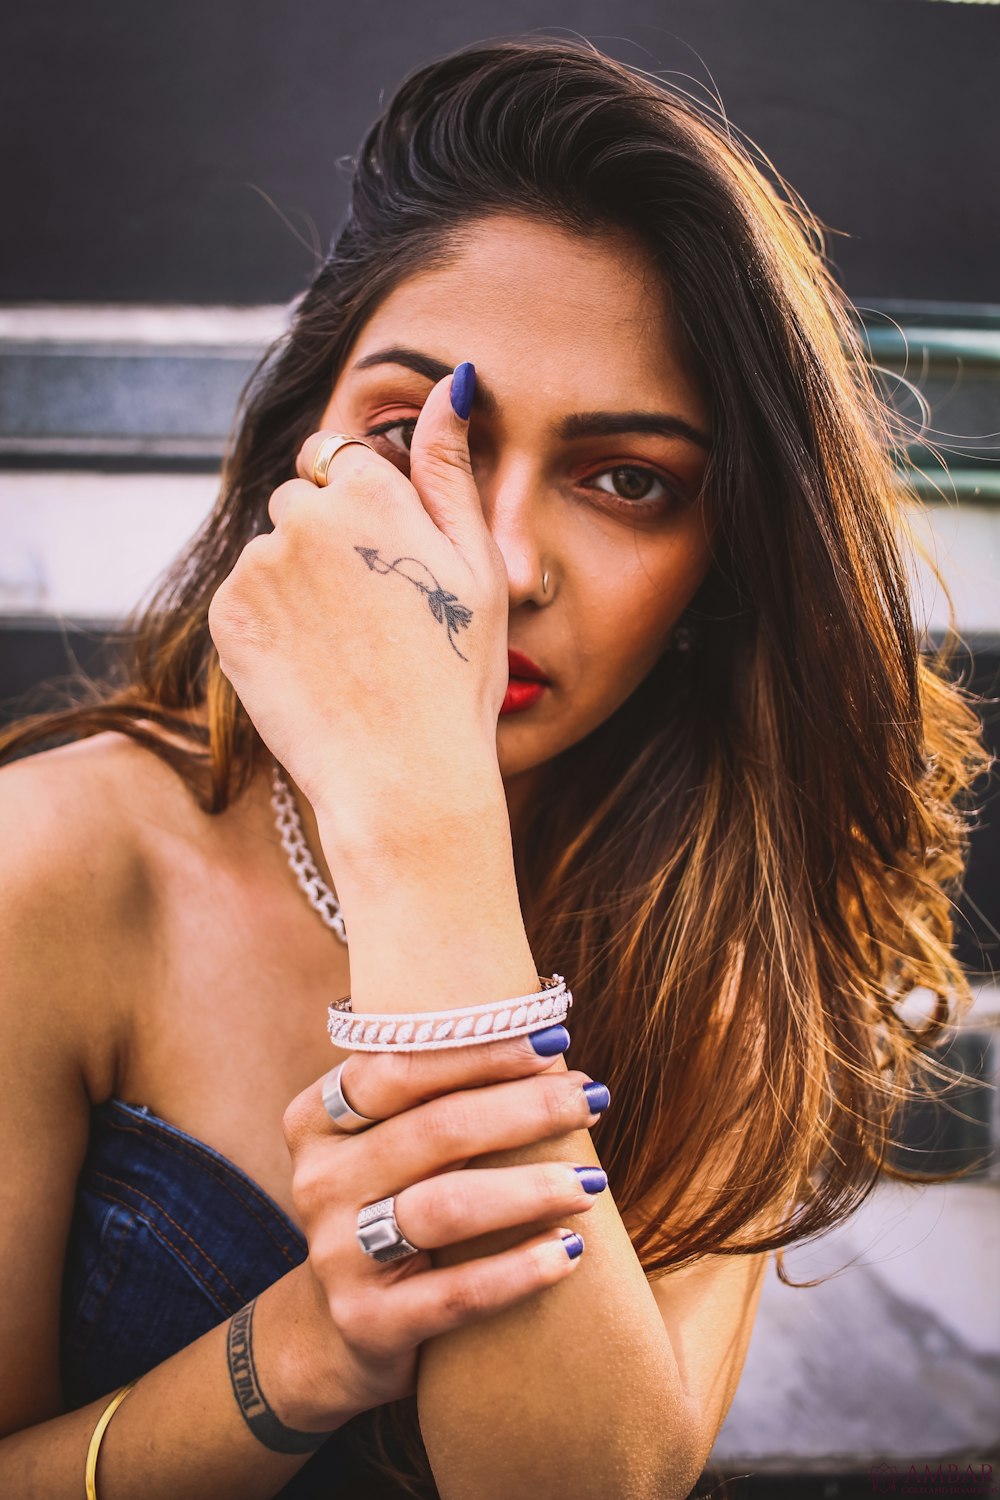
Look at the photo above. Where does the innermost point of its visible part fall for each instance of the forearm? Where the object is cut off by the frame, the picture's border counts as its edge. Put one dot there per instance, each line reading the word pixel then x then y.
pixel 575 1392
pixel 432 911
pixel 181 1430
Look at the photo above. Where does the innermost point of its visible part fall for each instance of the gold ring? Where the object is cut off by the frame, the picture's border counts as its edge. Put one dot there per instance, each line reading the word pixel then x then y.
pixel 325 452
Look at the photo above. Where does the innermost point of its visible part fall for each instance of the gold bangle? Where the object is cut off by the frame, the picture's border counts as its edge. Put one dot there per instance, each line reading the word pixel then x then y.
pixel 99 1431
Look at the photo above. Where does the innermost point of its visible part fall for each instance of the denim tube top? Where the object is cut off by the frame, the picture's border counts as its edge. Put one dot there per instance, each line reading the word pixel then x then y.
pixel 168 1240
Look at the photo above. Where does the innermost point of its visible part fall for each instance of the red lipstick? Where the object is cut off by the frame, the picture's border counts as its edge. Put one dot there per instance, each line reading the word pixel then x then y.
pixel 526 684
pixel 519 665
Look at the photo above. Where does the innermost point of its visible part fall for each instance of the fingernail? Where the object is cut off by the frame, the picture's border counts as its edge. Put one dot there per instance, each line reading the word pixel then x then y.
pixel 593 1179
pixel 573 1245
pixel 598 1097
pixel 463 389
pixel 552 1040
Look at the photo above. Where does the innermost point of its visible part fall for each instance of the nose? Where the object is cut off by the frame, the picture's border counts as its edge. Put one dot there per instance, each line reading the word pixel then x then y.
pixel 513 497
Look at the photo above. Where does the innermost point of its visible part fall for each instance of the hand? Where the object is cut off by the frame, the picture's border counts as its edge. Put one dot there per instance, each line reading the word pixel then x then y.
pixel 377 603
pixel 436 1112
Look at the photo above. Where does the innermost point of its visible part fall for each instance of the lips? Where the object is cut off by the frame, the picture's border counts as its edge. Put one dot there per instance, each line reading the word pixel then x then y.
pixel 522 667
pixel 526 683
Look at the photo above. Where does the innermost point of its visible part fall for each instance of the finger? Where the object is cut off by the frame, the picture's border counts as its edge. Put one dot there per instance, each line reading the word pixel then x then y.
pixel 474 1122
pixel 435 1301
pixel 383 1084
pixel 379 1085
pixel 456 1206
pixel 356 457
pixel 454 1127
pixel 284 496
pixel 440 464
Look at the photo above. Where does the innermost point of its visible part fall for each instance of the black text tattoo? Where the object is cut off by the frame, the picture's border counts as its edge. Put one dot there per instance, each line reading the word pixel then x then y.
pixel 444 606
pixel 261 1419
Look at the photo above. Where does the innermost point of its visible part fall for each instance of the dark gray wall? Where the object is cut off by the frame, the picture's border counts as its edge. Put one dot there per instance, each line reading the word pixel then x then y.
pixel 144 141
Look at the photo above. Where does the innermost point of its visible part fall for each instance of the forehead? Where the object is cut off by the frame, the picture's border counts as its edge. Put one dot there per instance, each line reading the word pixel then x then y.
pixel 540 308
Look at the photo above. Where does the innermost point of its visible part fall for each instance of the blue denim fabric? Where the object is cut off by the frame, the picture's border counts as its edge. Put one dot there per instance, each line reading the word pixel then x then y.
pixel 168 1240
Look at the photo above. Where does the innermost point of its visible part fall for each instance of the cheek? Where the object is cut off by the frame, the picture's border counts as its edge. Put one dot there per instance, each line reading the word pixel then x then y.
pixel 634 606
pixel 639 639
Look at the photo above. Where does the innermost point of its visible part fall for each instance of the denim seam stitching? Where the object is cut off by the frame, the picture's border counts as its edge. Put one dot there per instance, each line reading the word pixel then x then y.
pixel 137 1215
pixel 129 1188
pixel 183 1150
pixel 81 1345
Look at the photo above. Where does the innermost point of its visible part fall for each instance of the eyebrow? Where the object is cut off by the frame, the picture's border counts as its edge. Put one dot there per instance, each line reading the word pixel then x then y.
pixel 578 425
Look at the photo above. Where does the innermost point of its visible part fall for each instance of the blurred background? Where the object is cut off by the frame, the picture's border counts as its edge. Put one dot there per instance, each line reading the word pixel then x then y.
pixel 170 178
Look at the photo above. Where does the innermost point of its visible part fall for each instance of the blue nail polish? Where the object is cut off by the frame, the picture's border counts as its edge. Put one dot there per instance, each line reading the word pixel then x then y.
pixel 463 389
pixel 573 1244
pixel 551 1041
pixel 593 1179
pixel 598 1097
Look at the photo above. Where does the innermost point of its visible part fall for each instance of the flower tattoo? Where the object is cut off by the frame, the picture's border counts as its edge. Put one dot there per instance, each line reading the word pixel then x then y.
pixel 443 606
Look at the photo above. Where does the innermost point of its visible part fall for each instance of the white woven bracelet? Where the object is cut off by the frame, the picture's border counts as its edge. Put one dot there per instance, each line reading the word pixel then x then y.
pixel 430 1031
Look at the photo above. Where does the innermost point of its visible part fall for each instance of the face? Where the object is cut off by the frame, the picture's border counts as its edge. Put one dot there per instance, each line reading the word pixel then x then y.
pixel 589 441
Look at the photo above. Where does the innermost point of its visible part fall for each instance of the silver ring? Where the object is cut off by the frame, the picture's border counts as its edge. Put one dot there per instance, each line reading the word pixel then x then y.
pixel 379 1236
pixel 337 1107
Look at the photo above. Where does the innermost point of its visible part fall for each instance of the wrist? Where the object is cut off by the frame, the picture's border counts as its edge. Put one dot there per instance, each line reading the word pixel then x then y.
pixel 295 1347
pixel 443 930
pixel 372 843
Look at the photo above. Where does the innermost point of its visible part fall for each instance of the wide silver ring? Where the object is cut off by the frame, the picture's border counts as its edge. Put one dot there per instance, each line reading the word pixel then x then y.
pixel 325 452
pixel 379 1236
pixel 337 1107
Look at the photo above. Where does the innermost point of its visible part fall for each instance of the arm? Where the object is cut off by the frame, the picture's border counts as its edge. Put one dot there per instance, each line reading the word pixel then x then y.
pixel 188 1427
pixel 582 1395
pixel 708 1310
pixel 414 826
pixel 63 1019
pixel 179 1432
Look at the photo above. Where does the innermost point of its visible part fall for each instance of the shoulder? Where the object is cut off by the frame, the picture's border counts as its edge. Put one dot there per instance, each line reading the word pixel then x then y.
pixel 74 897
pixel 72 817
pixel 77 893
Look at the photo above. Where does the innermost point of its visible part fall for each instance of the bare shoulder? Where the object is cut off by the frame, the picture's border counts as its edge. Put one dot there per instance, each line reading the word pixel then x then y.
pixel 74 814
pixel 102 794
pixel 76 892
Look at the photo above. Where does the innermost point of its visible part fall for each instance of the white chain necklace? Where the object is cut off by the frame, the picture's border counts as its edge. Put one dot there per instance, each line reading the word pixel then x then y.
pixel 293 841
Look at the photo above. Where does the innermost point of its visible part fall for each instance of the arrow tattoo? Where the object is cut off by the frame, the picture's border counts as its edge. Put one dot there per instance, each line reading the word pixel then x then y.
pixel 443 606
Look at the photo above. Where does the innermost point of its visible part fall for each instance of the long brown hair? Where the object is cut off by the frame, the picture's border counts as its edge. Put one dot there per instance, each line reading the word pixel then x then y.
pixel 750 863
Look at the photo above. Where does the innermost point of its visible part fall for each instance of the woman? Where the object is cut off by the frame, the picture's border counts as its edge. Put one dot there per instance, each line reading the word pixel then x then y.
pixel 614 420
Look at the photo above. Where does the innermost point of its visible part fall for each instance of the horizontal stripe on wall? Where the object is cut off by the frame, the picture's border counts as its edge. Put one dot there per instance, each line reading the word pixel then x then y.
pixel 156 389
pixel 88 545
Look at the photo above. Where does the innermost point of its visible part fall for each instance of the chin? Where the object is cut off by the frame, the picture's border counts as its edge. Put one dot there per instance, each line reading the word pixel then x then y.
pixel 523 746
pixel 514 755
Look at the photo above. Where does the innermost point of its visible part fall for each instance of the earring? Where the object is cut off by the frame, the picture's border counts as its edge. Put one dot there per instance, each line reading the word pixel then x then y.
pixel 682 638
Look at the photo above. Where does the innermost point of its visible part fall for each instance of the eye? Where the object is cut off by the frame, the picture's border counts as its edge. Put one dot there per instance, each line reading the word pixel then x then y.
pixel 639 488
pixel 402 442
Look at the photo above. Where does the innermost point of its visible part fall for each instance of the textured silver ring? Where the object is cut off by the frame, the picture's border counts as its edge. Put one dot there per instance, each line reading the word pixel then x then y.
pixel 337 1107
pixel 379 1236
